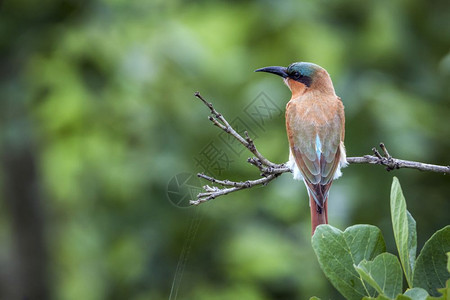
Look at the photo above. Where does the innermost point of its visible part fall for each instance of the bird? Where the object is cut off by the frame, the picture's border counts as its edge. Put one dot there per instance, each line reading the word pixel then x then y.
pixel 315 126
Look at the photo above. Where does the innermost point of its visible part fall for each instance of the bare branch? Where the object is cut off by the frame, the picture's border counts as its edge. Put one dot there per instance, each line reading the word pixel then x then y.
pixel 395 163
pixel 222 123
pixel 214 192
pixel 270 171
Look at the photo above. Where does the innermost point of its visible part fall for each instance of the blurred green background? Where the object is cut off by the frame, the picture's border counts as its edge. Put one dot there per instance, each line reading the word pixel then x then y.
pixel 100 134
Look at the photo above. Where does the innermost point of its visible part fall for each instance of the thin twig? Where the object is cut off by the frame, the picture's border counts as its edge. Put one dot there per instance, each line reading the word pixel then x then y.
pixel 222 123
pixel 385 151
pixel 214 192
pixel 395 163
pixel 270 170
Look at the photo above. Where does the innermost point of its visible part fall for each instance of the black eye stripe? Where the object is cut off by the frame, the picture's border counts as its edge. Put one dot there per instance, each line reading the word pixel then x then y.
pixel 295 75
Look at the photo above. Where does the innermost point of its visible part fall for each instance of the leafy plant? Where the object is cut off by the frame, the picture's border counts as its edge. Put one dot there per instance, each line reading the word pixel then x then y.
pixel 357 265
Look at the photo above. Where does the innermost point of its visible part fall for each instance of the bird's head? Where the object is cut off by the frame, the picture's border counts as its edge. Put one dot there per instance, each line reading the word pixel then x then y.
pixel 303 76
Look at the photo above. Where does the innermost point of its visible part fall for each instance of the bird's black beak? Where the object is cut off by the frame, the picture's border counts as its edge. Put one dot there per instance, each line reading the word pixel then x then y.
pixel 280 71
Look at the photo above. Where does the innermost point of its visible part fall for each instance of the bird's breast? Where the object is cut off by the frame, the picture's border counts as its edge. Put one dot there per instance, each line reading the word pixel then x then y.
pixel 317 111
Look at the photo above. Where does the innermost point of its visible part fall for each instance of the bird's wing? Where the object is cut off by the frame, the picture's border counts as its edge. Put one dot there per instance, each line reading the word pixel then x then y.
pixel 314 138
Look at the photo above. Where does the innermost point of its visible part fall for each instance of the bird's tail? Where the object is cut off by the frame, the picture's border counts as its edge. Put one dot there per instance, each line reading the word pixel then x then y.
pixel 319 215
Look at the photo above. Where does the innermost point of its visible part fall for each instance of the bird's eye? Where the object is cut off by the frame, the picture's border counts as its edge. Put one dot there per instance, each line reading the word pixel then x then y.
pixel 296 75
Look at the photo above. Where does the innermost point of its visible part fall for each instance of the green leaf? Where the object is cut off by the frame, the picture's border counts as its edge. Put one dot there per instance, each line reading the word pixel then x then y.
pixel 448 261
pixel 338 251
pixel 431 266
pixel 314 298
pixel 404 227
pixel 416 294
pixel 384 274
pixel 380 297
pixel 445 291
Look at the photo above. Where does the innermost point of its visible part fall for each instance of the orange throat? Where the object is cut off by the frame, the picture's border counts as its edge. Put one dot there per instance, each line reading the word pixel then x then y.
pixel 297 88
